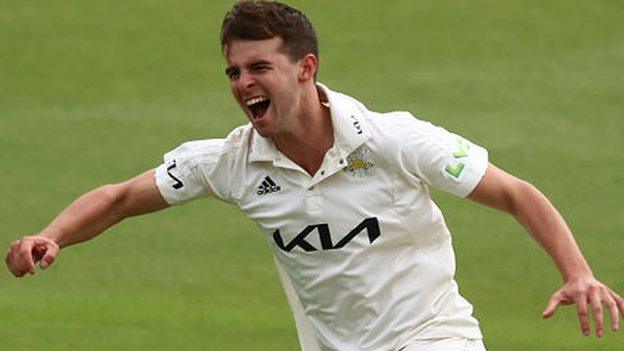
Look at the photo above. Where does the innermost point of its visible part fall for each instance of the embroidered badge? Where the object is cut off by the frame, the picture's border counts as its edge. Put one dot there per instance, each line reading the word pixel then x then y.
pixel 360 161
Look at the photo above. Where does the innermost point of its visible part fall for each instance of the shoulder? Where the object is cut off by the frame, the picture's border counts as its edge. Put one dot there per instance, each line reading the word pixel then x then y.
pixel 399 126
pixel 204 166
pixel 208 152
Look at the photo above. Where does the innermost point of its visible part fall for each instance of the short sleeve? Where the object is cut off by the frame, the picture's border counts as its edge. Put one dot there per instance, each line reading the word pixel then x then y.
pixel 442 159
pixel 183 176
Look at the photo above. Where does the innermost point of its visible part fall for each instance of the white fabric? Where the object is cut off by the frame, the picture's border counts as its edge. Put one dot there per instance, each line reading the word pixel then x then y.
pixel 452 344
pixel 361 243
pixel 305 330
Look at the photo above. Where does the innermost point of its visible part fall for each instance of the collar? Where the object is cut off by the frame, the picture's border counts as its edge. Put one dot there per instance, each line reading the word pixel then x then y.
pixel 350 130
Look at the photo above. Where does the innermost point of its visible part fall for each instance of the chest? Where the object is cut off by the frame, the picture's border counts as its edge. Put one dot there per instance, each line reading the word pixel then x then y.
pixel 362 186
pixel 363 208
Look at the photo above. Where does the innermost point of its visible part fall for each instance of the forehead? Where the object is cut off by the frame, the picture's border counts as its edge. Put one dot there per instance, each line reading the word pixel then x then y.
pixel 239 52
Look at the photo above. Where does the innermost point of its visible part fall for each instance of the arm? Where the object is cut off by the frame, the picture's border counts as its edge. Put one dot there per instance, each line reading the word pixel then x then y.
pixel 86 217
pixel 539 217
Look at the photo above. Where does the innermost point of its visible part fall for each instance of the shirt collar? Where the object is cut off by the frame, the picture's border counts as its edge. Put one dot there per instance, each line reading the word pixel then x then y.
pixel 350 129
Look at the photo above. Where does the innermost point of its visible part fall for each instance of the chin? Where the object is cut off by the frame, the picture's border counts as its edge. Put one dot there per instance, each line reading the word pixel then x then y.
pixel 264 132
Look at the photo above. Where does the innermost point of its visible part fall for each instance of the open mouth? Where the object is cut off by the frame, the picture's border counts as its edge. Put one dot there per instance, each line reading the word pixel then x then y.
pixel 258 106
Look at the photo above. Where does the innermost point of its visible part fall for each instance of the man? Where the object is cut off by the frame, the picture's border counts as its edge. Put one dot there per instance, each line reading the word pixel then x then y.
pixel 341 196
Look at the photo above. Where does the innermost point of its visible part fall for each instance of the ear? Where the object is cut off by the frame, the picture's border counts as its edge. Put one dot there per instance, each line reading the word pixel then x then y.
pixel 307 67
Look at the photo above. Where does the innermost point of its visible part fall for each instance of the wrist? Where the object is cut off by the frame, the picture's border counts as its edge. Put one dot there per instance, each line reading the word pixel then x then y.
pixel 579 274
pixel 53 235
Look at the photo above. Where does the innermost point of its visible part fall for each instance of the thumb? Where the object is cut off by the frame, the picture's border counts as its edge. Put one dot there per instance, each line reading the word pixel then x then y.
pixel 51 250
pixel 551 307
pixel 47 260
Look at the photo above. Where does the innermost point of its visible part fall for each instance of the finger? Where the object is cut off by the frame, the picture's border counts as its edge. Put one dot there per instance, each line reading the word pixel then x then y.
pixel 552 306
pixel 49 256
pixel 7 256
pixel 30 265
pixel 581 308
pixel 16 264
pixel 16 258
pixel 609 301
pixel 618 300
pixel 594 298
pixel 24 257
pixel 9 259
pixel 49 252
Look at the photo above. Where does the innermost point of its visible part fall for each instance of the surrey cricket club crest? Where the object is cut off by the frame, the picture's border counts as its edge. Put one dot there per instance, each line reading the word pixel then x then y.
pixel 360 161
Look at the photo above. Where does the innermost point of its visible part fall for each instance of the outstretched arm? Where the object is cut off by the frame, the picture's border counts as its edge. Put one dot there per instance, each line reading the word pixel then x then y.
pixel 539 217
pixel 86 217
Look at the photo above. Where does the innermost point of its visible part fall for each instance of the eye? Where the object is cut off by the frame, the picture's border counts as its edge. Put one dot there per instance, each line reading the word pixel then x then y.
pixel 262 68
pixel 232 74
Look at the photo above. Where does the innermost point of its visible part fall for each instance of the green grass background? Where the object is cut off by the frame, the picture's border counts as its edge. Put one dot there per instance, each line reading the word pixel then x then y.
pixel 94 92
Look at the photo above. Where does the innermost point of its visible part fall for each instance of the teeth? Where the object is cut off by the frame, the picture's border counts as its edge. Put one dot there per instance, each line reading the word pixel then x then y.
pixel 255 100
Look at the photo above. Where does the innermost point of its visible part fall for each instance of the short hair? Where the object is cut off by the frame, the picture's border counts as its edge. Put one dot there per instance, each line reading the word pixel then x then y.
pixel 260 20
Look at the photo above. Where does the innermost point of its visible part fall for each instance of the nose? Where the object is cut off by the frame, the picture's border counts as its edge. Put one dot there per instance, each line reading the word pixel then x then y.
pixel 245 81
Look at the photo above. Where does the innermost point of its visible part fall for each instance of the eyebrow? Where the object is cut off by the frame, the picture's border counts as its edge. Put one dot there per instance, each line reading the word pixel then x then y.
pixel 232 69
pixel 259 63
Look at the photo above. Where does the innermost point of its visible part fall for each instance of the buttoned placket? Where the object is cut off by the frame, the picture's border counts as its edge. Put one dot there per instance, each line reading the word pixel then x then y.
pixel 333 162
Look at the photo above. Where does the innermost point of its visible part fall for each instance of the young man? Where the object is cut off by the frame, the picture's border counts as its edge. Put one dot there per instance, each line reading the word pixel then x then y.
pixel 341 195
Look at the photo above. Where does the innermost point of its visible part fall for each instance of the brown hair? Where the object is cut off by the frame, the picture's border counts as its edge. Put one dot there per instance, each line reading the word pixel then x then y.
pixel 260 20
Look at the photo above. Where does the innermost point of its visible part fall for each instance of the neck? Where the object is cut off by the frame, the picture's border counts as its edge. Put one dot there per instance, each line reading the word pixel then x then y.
pixel 311 134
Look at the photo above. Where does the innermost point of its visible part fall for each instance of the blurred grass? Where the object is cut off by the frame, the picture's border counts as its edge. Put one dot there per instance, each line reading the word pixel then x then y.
pixel 95 92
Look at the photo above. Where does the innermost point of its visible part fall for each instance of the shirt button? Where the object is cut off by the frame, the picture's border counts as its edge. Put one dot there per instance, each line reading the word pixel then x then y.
pixel 341 161
pixel 311 188
pixel 322 172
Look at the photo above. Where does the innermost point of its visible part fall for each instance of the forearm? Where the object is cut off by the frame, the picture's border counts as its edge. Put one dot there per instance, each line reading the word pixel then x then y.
pixel 86 217
pixel 539 217
pixel 542 220
pixel 97 210
pixel 536 214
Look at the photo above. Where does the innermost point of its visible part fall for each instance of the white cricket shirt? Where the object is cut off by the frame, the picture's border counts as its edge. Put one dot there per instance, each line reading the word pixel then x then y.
pixel 364 254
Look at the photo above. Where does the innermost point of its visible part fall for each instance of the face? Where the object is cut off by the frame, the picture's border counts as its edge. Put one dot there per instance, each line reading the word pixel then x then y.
pixel 265 83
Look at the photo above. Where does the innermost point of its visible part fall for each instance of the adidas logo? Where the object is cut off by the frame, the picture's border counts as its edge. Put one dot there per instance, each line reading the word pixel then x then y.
pixel 268 186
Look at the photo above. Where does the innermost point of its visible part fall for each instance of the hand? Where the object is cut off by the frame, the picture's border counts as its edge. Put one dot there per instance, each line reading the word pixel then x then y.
pixel 27 251
pixel 586 291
